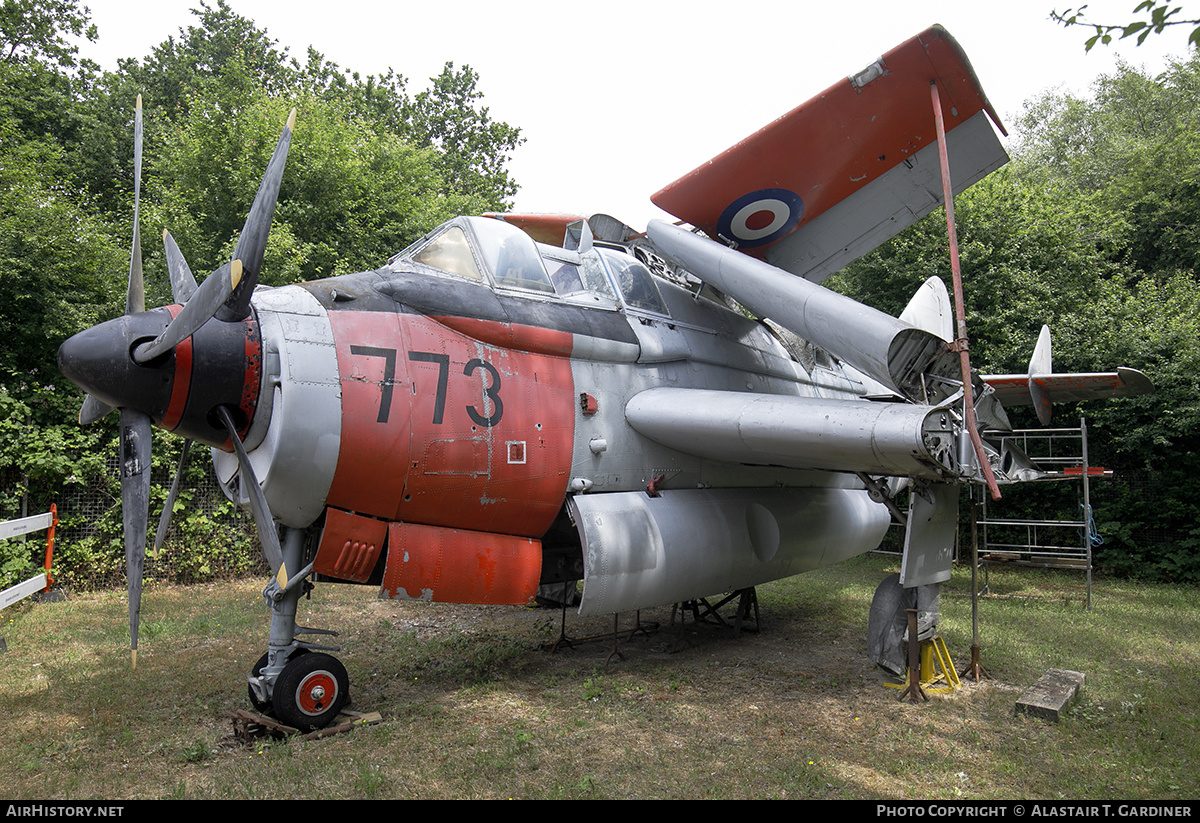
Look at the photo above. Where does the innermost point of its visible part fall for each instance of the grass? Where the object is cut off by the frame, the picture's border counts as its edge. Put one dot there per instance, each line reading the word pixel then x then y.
pixel 474 708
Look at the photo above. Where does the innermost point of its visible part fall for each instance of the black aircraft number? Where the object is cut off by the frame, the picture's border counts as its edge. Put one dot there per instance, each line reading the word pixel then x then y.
pixel 389 376
pixel 491 391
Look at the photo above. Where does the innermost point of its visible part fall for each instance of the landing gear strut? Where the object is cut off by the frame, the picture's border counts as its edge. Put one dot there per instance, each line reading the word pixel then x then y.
pixel 302 689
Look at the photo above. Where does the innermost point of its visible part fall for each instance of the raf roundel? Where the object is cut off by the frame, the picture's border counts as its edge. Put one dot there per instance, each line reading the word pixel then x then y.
pixel 760 217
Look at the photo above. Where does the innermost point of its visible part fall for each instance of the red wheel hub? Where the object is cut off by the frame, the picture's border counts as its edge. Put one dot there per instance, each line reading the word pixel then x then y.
pixel 316 692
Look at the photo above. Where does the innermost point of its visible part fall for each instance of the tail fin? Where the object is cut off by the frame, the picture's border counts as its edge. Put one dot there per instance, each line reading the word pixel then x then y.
pixel 1041 387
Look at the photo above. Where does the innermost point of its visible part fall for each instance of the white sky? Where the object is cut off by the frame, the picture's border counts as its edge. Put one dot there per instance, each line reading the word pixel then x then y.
pixel 618 98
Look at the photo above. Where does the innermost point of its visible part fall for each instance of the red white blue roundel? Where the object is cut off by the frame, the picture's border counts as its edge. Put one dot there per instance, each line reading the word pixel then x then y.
pixel 760 217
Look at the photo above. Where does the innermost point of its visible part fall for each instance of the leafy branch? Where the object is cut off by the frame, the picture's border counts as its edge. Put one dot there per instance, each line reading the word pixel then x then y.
pixel 1160 18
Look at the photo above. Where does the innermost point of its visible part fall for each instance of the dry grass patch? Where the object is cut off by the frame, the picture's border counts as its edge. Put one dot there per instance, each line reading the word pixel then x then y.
pixel 474 706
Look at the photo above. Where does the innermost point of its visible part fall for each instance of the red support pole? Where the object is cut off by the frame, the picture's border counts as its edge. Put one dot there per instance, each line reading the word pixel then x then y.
pixel 961 344
pixel 50 544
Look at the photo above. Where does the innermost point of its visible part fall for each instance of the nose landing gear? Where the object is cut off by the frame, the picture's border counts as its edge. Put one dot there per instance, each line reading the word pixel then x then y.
pixel 295 680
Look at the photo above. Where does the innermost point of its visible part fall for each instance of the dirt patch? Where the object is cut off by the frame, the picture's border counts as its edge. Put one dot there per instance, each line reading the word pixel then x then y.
pixel 788 657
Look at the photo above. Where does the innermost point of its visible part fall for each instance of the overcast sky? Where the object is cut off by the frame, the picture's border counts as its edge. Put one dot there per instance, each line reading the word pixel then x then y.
pixel 620 97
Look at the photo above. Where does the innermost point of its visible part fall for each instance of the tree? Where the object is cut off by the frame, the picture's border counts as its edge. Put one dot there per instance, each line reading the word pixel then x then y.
pixel 226 57
pixel 60 272
pixel 1158 19
pixel 352 195
pixel 474 148
pixel 39 75
pixel 35 30
pixel 1134 145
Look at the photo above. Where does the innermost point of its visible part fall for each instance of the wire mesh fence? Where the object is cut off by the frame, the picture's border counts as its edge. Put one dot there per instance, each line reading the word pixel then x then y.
pixel 208 537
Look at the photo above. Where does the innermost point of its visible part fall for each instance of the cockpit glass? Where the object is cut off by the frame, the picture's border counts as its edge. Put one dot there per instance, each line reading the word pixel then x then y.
pixel 595 279
pixel 564 276
pixel 511 255
pixel 451 252
pixel 635 282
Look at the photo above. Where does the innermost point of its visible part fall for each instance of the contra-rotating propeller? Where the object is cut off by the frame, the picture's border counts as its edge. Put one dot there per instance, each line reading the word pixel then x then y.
pixel 183 369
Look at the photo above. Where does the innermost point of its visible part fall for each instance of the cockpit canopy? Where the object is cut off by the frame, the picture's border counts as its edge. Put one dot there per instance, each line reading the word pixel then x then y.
pixel 504 257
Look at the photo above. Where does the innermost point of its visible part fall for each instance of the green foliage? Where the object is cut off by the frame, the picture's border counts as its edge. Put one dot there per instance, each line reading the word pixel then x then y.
pixel 57 261
pixel 205 546
pixel 1158 20
pixel 1134 146
pixel 352 194
pixel 37 30
pixel 226 66
pixel 55 274
pixel 474 148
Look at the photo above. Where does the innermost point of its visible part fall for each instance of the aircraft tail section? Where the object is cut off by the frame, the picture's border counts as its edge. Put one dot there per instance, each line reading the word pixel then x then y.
pixel 1041 387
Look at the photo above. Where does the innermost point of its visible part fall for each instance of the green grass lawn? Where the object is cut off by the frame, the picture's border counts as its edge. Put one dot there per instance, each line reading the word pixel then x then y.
pixel 474 707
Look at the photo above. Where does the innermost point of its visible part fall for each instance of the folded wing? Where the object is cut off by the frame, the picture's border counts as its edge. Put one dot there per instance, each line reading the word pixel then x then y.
pixel 849 169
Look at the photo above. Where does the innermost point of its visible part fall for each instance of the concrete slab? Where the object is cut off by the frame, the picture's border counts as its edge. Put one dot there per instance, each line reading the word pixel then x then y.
pixel 1052 695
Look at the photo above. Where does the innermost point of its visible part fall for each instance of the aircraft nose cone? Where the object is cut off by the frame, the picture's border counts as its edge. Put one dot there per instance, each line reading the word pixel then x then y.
pixel 99 361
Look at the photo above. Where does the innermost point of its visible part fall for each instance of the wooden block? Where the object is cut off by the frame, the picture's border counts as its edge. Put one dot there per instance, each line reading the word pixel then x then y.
pixel 1052 695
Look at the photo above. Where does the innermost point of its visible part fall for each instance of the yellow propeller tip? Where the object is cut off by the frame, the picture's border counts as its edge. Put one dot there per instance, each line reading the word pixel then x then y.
pixel 133 656
pixel 281 577
pixel 291 123
pixel 139 101
pixel 235 274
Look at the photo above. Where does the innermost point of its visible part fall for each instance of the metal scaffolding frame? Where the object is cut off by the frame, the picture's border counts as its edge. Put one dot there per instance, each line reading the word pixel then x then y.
pixel 1063 454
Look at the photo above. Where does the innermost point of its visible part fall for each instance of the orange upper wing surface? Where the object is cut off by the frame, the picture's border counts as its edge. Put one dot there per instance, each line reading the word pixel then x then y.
pixel 841 146
pixel 544 228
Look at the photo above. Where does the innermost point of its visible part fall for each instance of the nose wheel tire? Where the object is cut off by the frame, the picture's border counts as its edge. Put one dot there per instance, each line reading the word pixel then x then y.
pixel 310 691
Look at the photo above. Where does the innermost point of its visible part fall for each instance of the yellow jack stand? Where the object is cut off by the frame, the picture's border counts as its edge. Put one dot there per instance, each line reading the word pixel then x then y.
pixel 936 667
pixel 934 657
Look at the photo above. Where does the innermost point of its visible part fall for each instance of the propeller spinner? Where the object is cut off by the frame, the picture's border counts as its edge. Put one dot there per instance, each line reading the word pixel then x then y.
pixel 193 368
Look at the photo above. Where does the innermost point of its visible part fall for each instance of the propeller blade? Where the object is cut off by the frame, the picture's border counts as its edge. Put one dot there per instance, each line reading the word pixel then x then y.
pixel 202 305
pixel 92 410
pixel 263 521
pixel 164 520
pixel 252 242
pixel 135 509
pixel 135 293
pixel 183 283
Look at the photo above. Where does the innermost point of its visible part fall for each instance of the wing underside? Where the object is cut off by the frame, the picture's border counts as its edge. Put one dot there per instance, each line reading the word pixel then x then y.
pixel 850 168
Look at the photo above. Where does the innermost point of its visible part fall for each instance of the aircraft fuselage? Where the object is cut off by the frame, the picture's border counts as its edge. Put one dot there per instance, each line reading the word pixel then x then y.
pixel 419 411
